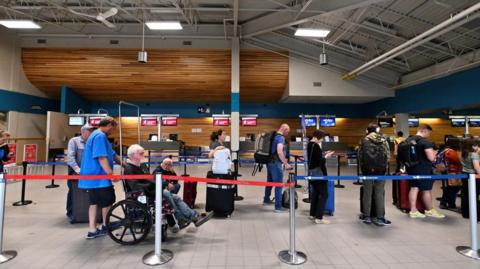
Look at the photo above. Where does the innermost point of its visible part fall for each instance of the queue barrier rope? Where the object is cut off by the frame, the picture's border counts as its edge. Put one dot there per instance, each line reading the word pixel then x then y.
pixel 148 177
pixel 396 177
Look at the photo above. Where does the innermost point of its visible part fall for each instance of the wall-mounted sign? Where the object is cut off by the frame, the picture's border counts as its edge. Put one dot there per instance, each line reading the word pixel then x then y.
pixel 94 121
pixel 249 121
pixel 327 122
pixel 30 152
pixel 149 121
pixel 221 121
pixel 169 121
pixel 76 120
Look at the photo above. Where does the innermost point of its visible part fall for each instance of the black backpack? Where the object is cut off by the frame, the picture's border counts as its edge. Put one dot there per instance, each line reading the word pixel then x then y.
pixel 263 147
pixel 286 199
pixel 374 157
pixel 408 152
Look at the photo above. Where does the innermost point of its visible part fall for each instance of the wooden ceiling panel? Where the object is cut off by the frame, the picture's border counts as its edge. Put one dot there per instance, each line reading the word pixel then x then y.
pixel 169 75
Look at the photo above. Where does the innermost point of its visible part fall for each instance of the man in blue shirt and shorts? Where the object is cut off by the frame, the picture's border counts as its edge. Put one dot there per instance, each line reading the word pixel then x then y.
pixel 97 159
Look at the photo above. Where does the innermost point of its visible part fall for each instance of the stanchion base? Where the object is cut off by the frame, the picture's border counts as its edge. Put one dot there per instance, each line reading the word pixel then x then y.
pixel 357 183
pixel 238 198
pixel 7 255
pixel 151 259
pixel 286 257
pixel 185 175
pixel 468 252
pixel 339 186
pixel 298 186
pixel 51 186
pixel 22 203
pixel 306 200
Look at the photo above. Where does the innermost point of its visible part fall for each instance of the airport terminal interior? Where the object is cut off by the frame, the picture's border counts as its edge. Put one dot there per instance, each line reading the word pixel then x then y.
pixel 362 116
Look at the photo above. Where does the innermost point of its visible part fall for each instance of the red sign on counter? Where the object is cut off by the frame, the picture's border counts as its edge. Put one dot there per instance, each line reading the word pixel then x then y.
pixel 169 121
pixel 221 121
pixel 152 121
pixel 94 121
pixel 12 148
pixel 249 121
pixel 30 152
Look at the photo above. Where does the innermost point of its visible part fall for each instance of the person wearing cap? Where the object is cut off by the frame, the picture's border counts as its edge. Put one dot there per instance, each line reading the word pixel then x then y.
pixel 76 145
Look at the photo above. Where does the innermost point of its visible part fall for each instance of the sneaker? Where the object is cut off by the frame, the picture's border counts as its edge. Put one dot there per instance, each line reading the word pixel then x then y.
pixel 202 218
pixel 91 235
pixel 311 217
pixel 102 231
pixel 381 222
pixel 281 210
pixel 434 214
pixel 174 229
pixel 321 221
pixel 442 206
pixel 267 203
pixel 416 215
pixel 367 220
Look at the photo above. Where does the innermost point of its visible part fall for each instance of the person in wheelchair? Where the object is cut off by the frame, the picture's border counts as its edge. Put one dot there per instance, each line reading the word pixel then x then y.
pixel 182 212
pixel 166 168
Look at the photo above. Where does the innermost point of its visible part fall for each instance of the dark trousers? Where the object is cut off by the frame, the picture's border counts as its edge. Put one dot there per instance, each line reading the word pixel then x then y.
pixel 465 207
pixel 69 206
pixel 318 198
pixel 373 192
pixel 318 195
pixel 450 196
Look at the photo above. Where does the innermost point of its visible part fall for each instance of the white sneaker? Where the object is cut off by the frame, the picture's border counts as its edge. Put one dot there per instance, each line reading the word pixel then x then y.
pixel 434 214
pixel 174 229
pixel 321 221
pixel 311 217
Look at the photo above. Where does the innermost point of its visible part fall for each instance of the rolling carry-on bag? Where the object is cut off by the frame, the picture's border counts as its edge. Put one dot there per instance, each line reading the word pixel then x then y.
pixel 81 204
pixel 403 203
pixel 190 193
pixel 220 197
pixel 330 204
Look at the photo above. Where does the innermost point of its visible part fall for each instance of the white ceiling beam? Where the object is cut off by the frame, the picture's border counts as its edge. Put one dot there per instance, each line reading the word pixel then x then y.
pixel 278 20
pixel 445 68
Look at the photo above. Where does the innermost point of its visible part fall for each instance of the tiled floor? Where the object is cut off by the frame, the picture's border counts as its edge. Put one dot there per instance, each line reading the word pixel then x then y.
pixel 250 239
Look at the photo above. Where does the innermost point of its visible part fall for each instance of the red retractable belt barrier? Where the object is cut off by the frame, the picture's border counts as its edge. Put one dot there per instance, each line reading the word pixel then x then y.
pixel 149 177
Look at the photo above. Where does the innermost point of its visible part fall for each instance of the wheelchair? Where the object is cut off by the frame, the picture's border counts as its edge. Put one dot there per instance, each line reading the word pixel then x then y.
pixel 130 221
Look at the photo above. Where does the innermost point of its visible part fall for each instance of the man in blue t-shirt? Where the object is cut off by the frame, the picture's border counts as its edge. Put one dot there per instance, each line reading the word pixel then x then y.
pixel 274 168
pixel 97 159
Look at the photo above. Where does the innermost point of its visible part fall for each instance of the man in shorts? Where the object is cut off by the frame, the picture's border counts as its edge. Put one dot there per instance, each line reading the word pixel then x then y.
pixel 97 159
pixel 426 156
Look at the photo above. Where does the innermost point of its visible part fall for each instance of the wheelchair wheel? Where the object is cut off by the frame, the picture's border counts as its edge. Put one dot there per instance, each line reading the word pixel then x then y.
pixel 128 222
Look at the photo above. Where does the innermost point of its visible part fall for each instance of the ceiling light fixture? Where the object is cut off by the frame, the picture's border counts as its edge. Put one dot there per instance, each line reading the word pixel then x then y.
pixel 164 25
pixel 309 32
pixel 20 24
pixel 323 56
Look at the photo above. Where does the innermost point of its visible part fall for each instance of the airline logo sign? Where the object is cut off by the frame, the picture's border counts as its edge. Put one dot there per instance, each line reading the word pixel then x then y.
pixel 30 152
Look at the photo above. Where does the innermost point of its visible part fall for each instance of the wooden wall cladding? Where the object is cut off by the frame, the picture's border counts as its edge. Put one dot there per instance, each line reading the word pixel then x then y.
pixel 349 131
pixel 170 74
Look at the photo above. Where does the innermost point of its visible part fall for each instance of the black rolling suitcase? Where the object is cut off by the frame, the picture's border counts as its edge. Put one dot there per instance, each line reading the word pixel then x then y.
pixel 220 197
pixel 80 204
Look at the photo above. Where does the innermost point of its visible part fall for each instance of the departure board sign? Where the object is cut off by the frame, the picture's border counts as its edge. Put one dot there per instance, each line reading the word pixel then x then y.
pixel 149 121
pixel 221 121
pixel 249 121
pixel 169 121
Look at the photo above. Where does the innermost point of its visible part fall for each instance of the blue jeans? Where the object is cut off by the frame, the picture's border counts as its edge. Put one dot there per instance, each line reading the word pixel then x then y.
pixel 182 211
pixel 274 174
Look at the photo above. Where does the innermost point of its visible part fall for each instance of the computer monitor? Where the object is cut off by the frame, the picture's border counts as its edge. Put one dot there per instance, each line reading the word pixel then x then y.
pixel 385 122
pixel 457 122
pixel 76 120
pixel 310 121
pixel 152 137
pixel 327 122
pixel 413 123
pixel 173 137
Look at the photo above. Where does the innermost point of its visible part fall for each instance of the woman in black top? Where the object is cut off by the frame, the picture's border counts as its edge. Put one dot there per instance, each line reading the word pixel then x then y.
pixel 317 167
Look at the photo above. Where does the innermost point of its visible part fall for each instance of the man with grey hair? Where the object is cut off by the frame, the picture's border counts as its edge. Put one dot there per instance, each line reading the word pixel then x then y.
pixel 76 145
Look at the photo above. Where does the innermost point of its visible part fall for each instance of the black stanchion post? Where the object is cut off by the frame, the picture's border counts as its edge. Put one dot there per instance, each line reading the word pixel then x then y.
pixel 358 182
pixel 185 167
pixel 22 201
pixel 296 172
pixel 472 251
pixel 339 185
pixel 52 184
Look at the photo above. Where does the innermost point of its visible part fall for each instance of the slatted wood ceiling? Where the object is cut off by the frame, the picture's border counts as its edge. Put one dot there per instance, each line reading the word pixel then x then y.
pixel 169 75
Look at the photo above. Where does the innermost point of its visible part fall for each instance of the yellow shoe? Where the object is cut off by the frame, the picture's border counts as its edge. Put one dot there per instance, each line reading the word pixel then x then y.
pixel 416 215
pixel 434 214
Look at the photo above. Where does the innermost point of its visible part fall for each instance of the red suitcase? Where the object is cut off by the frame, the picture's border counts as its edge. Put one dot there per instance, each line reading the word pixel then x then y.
pixel 403 204
pixel 190 193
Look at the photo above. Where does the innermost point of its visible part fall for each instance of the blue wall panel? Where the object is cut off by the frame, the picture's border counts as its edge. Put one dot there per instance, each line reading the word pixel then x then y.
pixel 72 101
pixel 14 101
